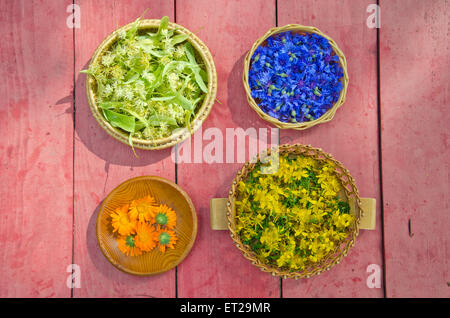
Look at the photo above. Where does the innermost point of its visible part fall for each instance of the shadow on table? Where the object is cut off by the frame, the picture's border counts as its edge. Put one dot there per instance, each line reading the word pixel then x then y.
pixel 99 261
pixel 242 114
pixel 97 141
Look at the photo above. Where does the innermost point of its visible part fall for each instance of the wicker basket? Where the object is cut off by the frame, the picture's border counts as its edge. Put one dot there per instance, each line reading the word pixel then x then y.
pixel 223 212
pixel 303 125
pixel 202 52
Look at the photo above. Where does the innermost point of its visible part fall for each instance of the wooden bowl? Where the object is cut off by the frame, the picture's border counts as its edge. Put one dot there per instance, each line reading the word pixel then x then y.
pixel 202 111
pixel 153 262
pixel 295 28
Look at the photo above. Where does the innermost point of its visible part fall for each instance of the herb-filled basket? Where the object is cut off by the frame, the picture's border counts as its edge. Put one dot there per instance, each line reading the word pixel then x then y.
pixel 151 84
pixel 295 77
pixel 298 216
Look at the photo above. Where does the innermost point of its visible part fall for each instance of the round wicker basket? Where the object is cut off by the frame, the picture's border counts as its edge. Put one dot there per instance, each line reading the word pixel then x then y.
pixel 301 125
pixel 202 52
pixel 349 191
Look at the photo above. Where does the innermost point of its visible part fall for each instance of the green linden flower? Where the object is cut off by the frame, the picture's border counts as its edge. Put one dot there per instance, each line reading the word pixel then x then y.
pixel 149 84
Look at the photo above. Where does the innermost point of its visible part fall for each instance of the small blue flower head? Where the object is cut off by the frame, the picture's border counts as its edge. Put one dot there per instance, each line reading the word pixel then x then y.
pixel 295 77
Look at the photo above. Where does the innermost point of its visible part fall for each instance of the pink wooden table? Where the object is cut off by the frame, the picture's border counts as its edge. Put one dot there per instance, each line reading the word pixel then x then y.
pixel 57 164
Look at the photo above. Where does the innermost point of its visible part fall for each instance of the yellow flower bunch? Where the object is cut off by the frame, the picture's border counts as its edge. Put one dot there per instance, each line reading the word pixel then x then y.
pixel 294 217
pixel 142 225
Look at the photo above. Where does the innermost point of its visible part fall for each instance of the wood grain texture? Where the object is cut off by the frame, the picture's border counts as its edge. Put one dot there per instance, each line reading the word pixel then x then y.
pixel 351 137
pixel 102 163
pixel 36 137
pixel 215 267
pixel 414 74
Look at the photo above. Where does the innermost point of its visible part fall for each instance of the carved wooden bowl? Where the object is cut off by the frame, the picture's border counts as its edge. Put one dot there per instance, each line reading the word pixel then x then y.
pixel 164 192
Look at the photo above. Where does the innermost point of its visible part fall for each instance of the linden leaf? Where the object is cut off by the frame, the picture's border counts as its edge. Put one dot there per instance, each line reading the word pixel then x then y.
pixel 121 121
pixel 183 101
pixel 163 25
pixel 178 39
pixel 190 53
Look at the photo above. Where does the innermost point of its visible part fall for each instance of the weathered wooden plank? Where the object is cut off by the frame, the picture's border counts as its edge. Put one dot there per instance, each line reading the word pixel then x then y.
pixel 102 163
pixel 351 137
pixel 216 268
pixel 36 138
pixel 414 60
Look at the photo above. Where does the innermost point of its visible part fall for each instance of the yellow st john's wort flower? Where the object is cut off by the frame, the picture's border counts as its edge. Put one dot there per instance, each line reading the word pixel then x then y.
pixel 121 223
pixel 342 220
pixel 300 173
pixel 271 237
pixel 293 217
pixel 142 209
pixel 285 258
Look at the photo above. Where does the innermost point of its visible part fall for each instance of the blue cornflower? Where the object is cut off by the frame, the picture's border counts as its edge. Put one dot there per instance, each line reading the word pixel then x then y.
pixel 295 77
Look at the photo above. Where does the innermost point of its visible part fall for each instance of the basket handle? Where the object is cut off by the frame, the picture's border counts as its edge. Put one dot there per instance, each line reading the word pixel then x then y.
pixel 218 214
pixel 368 219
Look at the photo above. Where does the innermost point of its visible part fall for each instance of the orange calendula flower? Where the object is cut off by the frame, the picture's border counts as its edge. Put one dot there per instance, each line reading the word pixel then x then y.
pixel 127 245
pixel 165 217
pixel 142 209
pixel 145 237
pixel 166 239
pixel 121 222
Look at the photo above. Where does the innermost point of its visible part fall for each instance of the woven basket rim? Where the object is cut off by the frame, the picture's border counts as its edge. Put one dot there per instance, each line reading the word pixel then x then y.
pixel 179 135
pixel 297 149
pixel 329 115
